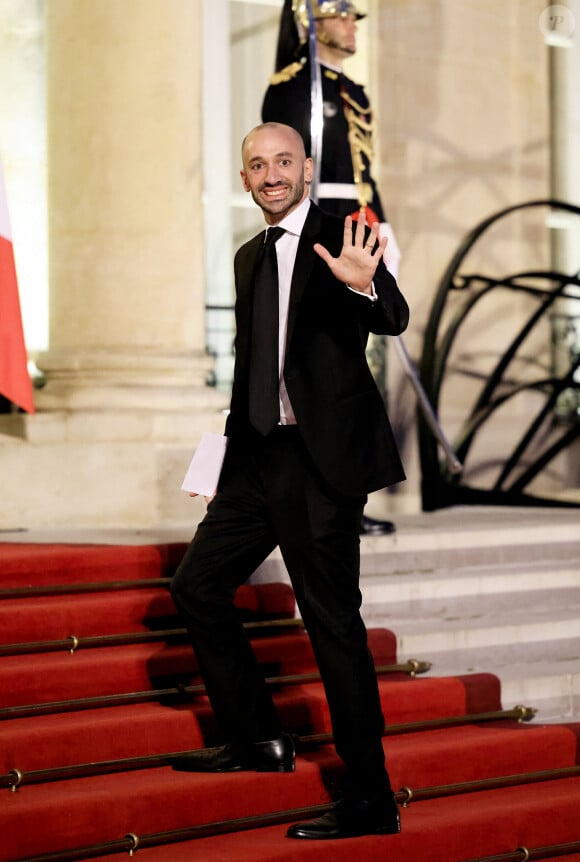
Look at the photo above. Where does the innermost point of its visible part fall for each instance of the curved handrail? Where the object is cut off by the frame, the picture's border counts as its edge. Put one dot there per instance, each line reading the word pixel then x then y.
pixel 439 486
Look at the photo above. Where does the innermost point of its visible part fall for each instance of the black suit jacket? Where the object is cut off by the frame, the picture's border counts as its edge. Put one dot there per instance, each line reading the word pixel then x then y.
pixel 339 410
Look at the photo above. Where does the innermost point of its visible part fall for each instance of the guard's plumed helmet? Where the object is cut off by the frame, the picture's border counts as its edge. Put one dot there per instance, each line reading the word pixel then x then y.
pixel 324 9
pixel 295 21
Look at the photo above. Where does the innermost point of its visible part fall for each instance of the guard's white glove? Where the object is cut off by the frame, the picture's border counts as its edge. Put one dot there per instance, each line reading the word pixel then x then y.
pixel 392 256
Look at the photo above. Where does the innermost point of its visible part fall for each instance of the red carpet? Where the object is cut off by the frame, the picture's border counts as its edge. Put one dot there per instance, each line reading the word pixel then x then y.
pixel 467 828
pixel 59 813
pixel 32 564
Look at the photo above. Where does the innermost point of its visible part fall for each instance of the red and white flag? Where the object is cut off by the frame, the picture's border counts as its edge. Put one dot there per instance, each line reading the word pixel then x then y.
pixel 15 382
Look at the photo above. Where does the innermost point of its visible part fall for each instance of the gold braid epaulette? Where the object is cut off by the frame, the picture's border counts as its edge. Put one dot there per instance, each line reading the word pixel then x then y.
pixel 360 138
pixel 287 73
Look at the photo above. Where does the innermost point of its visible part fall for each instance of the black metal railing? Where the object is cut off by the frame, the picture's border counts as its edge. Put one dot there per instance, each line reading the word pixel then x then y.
pixel 519 403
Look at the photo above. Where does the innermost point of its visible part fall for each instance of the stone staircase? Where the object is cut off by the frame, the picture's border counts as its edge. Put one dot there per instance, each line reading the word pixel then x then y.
pixel 468 589
pixel 482 589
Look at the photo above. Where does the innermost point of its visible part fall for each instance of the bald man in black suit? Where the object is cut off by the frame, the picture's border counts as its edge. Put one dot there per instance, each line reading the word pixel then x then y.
pixel 300 484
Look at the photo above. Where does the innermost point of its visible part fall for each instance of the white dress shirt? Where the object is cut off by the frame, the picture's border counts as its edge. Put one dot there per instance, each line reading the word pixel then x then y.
pixel 286 249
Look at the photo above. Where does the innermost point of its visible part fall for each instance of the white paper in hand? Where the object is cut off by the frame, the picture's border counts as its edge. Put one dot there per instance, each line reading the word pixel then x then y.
pixel 206 465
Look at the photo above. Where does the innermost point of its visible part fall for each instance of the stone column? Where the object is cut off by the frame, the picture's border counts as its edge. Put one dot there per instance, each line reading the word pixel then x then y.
pixel 125 399
pixel 125 220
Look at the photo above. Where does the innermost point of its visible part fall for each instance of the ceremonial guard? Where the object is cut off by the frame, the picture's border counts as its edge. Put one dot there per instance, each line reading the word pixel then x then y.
pixel 345 183
pixel 325 99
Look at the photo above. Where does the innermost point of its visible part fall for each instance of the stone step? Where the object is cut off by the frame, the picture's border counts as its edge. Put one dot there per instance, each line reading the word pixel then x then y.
pixel 495 591
pixel 500 629
pixel 545 676
pixel 462 537
pixel 525 581
pixel 551 687
pixel 408 554
pixel 498 657
pixel 463 622
pixel 482 526
pixel 470 589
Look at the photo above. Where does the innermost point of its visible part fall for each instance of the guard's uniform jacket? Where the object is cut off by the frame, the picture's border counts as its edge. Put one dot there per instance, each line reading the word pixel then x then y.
pixel 347 139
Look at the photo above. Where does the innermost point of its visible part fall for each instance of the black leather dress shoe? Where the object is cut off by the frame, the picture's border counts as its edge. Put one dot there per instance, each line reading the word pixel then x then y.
pixel 276 755
pixel 351 820
pixel 374 527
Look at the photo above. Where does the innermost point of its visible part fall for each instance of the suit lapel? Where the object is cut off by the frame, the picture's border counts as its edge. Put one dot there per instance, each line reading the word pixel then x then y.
pixel 305 257
pixel 245 281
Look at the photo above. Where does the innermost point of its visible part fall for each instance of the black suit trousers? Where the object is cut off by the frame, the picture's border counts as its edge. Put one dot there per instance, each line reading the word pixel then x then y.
pixel 271 494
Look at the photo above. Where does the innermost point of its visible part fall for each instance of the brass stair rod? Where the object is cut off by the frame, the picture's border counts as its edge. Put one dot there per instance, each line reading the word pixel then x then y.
pixel 89 587
pixel 132 842
pixel 82 703
pixel 15 777
pixel 519 713
pixel 72 643
pixel 411 667
pixel 407 795
pixel 523 854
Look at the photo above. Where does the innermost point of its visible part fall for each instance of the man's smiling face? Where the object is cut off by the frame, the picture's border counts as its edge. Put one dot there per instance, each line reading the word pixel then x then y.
pixel 275 170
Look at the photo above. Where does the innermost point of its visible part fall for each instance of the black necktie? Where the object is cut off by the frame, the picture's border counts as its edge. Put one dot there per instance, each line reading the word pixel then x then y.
pixel 264 405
